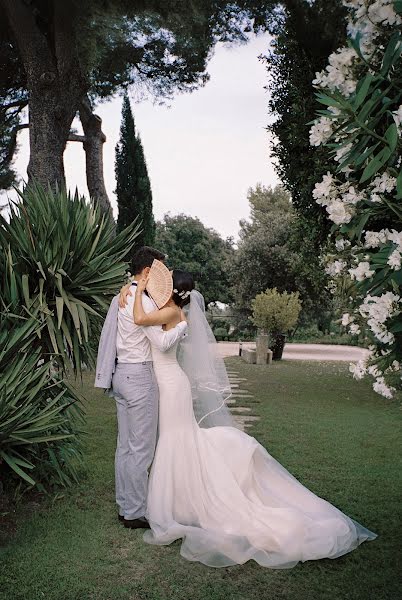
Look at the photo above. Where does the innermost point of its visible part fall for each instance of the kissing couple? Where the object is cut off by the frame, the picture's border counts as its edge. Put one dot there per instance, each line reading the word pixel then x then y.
pixel 210 484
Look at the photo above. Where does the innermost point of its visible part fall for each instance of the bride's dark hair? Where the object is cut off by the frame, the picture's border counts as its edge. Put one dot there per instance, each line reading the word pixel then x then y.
pixel 183 283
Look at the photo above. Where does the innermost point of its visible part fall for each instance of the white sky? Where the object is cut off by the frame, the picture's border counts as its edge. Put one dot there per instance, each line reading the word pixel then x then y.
pixel 204 151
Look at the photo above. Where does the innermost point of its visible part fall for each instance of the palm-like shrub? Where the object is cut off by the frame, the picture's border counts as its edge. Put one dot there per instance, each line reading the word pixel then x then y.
pixel 40 415
pixel 60 264
pixel 62 257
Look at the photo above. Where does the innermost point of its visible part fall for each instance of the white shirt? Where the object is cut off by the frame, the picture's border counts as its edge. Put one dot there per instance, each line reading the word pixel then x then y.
pixel 133 342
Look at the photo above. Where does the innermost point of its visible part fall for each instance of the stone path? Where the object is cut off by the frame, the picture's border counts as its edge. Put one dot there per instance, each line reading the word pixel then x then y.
pixel 305 351
pixel 242 419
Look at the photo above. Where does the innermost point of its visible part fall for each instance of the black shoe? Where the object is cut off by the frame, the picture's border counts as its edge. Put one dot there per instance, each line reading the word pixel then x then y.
pixel 120 517
pixel 137 523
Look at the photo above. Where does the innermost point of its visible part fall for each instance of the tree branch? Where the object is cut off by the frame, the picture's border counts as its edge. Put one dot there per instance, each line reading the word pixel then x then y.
pixel 17 103
pixel 73 137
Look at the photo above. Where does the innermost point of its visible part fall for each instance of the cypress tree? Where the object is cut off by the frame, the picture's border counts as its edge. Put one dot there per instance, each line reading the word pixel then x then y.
pixel 133 187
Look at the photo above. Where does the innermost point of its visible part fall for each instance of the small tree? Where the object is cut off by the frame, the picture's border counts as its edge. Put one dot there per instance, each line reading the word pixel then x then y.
pixel 133 189
pixel 276 312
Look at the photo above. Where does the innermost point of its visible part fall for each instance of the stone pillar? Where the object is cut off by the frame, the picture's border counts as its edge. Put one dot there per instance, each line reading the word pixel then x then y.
pixel 262 348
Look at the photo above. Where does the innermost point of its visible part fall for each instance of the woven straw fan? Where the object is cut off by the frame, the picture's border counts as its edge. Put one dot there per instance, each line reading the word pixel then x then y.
pixel 160 283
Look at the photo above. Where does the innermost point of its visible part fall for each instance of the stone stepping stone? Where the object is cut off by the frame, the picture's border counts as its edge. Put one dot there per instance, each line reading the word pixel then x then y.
pixel 241 409
pixel 242 394
pixel 243 422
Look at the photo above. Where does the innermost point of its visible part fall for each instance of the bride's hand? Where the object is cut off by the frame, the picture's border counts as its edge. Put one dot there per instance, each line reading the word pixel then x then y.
pixel 142 284
pixel 124 292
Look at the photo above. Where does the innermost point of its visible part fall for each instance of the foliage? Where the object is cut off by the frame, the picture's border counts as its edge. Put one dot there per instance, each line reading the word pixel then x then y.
pixel 276 312
pixel 62 258
pixel 304 34
pixel 68 51
pixel 361 126
pixel 40 415
pixel 133 187
pixel 200 250
pixel 267 256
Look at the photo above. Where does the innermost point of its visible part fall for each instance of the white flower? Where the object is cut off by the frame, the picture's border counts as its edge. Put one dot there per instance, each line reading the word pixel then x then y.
pixel 354 329
pixel 335 268
pixel 375 198
pixel 358 370
pixel 347 319
pixel 381 12
pixel 374 371
pixel 396 365
pixel 337 74
pixel 361 272
pixel 323 188
pixel 395 236
pixel 341 244
pixel 338 212
pixel 382 388
pixel 321 131
pixel 383 183
pixel 373 239
pixel 397 114
pixel 341 152
pixel 394 260
pixel 352 197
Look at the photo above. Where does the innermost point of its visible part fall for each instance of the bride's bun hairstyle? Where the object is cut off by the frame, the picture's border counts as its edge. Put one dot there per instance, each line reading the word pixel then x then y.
pixel 183 284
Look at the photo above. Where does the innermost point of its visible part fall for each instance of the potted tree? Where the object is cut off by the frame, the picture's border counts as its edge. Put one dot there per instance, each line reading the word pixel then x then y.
pixel 274 313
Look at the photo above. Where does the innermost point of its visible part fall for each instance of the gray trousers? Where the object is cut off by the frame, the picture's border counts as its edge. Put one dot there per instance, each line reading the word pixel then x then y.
pixel 136 392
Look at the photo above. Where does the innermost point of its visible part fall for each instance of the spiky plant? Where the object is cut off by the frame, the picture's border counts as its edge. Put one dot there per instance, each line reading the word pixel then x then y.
pixel 62 256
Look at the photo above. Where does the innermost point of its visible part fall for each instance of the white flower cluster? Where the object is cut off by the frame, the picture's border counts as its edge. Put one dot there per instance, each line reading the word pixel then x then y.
pixel 344 199
pixel 337 74
pixel 339 200
pixel 321 131
pixel 377 310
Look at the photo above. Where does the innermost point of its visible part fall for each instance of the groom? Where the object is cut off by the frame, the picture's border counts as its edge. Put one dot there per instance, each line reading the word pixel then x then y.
pixel 125 364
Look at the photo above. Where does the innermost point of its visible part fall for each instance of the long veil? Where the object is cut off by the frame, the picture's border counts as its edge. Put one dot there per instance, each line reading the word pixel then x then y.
pixel 200 359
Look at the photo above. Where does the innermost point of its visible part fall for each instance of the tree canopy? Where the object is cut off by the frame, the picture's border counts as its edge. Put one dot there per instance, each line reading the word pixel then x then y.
pixel 61 56
pixel 195 248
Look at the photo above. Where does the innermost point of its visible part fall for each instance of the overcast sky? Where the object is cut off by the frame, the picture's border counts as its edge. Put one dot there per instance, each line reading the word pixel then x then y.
pixel 204 151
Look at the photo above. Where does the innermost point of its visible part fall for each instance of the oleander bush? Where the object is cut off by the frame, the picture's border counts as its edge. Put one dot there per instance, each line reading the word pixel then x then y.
pixel 361 127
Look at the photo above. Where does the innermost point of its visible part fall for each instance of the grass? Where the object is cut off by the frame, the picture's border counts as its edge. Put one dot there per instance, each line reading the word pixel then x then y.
pixel 334 434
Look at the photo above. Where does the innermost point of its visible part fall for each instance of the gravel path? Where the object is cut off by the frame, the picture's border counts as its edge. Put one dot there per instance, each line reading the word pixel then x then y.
pixel 305 351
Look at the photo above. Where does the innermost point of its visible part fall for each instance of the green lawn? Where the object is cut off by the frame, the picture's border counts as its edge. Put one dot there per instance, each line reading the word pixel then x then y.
pixel 334 434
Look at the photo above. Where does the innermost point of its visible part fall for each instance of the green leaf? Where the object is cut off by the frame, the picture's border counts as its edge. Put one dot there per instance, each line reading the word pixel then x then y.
pixel 399 184
pixel 362 90
pixel 59 309
pixel 398 6
pixel 375 164
pixel 391 135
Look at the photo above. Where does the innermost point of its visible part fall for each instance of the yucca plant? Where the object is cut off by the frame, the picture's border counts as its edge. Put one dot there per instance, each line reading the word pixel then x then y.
pixel 40 415
pixel 62 256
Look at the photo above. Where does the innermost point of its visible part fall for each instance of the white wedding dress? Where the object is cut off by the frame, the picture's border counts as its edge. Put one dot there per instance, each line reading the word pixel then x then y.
pixel 228 499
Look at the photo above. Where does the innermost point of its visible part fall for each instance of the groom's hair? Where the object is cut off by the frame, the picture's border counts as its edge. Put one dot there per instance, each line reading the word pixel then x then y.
pixel 144 257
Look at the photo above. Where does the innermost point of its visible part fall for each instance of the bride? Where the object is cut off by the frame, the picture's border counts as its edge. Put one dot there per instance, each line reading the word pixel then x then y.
pixel 211 484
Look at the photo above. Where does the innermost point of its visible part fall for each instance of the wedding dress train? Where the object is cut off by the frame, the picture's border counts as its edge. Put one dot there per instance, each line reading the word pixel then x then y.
pixel 228 499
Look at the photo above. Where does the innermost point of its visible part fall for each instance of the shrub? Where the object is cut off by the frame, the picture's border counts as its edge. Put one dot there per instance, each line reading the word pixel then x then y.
pixel 276 312
pixel 65 260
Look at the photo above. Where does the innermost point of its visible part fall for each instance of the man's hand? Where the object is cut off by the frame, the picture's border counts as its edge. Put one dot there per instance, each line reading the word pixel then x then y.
pixel 124 292
pixel 142 284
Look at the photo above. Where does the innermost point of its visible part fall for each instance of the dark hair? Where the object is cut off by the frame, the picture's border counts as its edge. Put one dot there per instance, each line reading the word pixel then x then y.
pixel 182 282
pixel 144 257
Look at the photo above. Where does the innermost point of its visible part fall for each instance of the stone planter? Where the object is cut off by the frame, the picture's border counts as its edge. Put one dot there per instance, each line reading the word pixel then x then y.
pixel 262 348
pixel 278 344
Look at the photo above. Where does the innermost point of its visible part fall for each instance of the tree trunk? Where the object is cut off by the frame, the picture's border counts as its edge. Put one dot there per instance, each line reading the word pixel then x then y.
pixel 93 146
pixel 50 118
pixel 54 81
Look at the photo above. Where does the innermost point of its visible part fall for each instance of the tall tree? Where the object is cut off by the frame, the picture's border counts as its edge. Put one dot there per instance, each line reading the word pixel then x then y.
pixel 198 249
pixel 61 53
pixel 267 257
pixel 133 187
